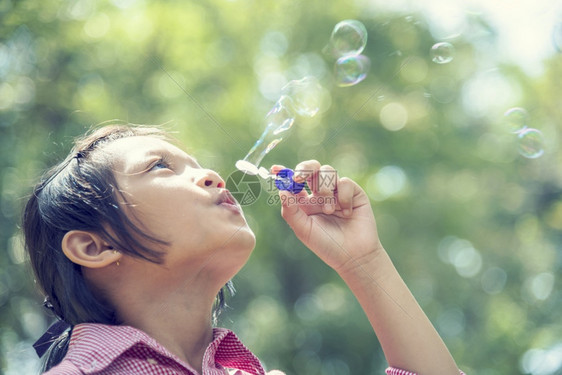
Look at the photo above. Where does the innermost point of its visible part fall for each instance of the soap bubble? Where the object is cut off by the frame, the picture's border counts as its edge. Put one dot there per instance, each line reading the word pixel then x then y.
pixel 281 117
pixel 350 70
pixel 442 53
pixel 303 97
pixel 279 122
pixel 531 143
pixel 307 95
pixel 349 37
pixel 557 37
pixel 516 119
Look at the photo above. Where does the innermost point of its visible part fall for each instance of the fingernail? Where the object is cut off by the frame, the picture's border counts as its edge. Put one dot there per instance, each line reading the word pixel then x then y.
pixel 299 177
pixel 346 212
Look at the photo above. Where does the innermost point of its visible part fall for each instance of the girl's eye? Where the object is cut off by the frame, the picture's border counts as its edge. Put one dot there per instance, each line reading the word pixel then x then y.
pixel 161 164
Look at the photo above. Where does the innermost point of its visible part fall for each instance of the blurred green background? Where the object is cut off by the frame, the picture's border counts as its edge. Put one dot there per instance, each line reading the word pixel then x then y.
pixel 473 226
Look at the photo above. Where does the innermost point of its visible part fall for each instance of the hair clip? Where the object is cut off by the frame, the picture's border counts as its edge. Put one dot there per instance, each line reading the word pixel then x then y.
pixel 55 331
pixel 47 304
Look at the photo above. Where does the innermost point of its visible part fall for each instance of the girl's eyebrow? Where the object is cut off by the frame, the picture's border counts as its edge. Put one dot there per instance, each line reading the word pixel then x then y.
pixel 144 161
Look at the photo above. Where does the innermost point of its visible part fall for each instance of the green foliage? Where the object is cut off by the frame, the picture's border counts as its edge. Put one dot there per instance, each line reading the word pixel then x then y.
pixel 474 228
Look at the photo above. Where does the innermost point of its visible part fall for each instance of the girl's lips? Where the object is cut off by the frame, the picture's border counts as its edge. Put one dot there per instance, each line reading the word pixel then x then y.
pixel 232 207
pixel 226 200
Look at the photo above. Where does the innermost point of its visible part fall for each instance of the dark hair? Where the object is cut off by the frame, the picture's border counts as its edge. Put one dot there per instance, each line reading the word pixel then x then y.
pixel 81 193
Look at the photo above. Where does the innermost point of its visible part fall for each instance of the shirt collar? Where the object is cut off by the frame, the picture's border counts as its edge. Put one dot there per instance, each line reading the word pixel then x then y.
pixel 94 347
pixel 228 351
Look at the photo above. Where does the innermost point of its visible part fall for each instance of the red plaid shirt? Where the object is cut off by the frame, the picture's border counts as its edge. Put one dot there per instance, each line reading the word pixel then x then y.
pixel 104 349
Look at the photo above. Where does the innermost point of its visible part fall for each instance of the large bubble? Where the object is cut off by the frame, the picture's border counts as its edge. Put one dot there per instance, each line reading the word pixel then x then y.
pixel 442 53
pixel 350 70
pixel 349 37
pixel 307 95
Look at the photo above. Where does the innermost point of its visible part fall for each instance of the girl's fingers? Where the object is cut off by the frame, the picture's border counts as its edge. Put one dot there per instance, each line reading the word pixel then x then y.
pixel 326 181
pixel 325 185
pixel 321 179
pixel 276 168
pixel 345 194
pixel 304 171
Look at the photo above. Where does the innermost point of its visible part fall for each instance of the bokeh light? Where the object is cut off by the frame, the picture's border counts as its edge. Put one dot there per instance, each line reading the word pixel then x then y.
pixel 538 361
pixel 461 254
pixel 557 36
pixel 493 280
pixel 432 135
pixel 389 181
pixel 393 116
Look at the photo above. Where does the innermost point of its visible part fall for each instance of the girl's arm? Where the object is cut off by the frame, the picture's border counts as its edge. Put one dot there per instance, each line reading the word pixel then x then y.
pixel 407 337
pixel 337 223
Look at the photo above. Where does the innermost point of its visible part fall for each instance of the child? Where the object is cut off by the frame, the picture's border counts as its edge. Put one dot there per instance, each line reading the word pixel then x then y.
pixel 133 244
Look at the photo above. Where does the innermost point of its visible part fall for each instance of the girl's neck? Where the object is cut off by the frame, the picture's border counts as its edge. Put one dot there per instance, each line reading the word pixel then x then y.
pixel 179 320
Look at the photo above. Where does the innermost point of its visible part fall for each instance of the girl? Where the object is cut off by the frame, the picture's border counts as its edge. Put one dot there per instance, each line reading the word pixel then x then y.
pixel 133 243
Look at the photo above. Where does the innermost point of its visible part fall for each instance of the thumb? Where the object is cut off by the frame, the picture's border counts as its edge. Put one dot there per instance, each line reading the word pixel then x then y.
pixel 291 211
pixel 289 206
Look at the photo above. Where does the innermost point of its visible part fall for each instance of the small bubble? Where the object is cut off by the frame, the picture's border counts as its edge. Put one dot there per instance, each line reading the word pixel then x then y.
pixel 557 37
pixel 442 53
pixel 516 119
pixel 350 70
pixel 531 143
pixel 349 37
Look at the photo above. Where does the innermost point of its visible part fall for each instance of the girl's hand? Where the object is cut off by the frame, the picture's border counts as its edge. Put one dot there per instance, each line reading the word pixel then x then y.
pixel 335 221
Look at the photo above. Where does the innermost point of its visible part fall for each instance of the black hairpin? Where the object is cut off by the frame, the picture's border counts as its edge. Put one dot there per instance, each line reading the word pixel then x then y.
pixel 47 304
pixel 53 332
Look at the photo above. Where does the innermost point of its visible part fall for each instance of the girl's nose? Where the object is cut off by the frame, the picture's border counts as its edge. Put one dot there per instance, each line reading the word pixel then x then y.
pixel 209 178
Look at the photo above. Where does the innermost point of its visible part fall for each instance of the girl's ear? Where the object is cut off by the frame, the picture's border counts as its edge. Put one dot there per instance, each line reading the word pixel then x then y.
pixel 88 249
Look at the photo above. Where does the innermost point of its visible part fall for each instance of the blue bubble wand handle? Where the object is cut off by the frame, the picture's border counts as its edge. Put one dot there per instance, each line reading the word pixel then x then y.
pixel 284 181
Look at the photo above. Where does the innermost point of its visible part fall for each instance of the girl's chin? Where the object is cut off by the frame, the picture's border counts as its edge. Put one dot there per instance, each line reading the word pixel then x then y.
pixel 248 237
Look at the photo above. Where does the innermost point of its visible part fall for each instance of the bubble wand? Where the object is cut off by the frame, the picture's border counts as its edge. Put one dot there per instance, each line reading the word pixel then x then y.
pixel 299 98
pixel 304 97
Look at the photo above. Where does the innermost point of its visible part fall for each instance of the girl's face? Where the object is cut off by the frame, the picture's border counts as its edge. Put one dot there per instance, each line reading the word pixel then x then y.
pixel 171 196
